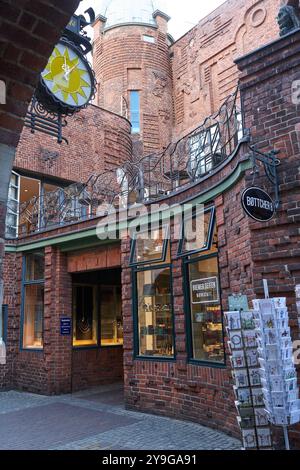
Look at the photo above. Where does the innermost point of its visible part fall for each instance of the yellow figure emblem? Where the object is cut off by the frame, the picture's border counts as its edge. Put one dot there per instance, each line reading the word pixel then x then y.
pixel 67 77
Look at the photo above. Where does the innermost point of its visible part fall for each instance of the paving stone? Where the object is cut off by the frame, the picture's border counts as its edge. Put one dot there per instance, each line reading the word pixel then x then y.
pixel 96 420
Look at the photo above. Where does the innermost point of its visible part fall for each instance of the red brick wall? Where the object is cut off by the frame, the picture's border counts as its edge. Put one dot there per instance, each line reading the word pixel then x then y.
pixel 275 124
pixel 95 367
pixel 123 61
pixel 204 73
pixel 98 141
pixel 94 259
pixel 10 269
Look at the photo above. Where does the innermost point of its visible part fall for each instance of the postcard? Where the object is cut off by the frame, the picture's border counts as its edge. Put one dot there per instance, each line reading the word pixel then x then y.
pixel 246 421
pixel 252 357
pixel 291 384
pixel 244 396
pixel 238 359
pixel 258 397
pixel 276 384
pixel 241 378
pixel 279 416
pixel 236 340
pixel 247 321
pixel 255 378
pixel 270 336
pixel 249 438
pixel 233 320
pixel 278 399
pixel 264 437
pixel 279 302
pixel 261 417
pixel 249 339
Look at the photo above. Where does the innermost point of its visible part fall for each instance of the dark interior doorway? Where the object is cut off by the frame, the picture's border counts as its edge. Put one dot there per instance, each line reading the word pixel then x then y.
pixel 97 329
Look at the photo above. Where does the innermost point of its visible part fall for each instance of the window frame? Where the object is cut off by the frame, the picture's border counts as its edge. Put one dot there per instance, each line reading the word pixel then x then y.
pixel 188 312
pixel 23 293
pixel 4 314
pixel 17 201
pixel 162 259
pixel 207 246
pixel 135 313
pixel 132 111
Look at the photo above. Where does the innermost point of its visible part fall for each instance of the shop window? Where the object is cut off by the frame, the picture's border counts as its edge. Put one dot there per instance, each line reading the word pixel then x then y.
pixel 12 216
pixel 204 311
pixel 197 232
pixel 111 316
pixel 3 323
pixel 85 319
pixel 135 111
pixel 153 298
pixel 31 204
pixel 33 301
pixel 150 248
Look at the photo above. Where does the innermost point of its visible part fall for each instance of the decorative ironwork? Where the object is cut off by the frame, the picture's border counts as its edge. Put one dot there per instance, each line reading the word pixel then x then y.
pixel 143 179
pixel 38 119
pixel 270 163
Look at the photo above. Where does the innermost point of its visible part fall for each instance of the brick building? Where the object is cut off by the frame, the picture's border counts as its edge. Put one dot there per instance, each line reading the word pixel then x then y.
pixel 158 133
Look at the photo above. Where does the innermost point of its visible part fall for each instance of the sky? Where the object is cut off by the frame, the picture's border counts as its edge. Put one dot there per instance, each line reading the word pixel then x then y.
pixel 184 14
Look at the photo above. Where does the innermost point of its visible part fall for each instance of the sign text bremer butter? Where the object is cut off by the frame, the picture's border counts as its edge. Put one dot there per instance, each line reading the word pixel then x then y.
pixel 258 204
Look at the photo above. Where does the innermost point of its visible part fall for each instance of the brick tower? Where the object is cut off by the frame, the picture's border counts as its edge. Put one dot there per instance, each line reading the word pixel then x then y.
pixel 133 70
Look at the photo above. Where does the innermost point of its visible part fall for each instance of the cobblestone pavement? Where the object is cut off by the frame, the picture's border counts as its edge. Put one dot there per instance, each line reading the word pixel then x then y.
pixel 96 420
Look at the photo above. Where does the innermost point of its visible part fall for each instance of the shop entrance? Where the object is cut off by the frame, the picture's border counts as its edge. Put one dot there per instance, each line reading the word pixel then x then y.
pixel 97 357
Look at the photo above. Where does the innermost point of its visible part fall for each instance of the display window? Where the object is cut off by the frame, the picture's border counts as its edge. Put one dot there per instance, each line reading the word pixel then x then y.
pixel 203 306
pixel 150 247
pixel 153 296
pixel 33 301
pixel 3 323
pixel 155 313
pixel 111 316
pixel 85 318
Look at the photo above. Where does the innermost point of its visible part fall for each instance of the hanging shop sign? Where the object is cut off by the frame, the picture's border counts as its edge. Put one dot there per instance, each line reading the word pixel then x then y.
pixel 68 82
pixel 258 204
pixel 205 290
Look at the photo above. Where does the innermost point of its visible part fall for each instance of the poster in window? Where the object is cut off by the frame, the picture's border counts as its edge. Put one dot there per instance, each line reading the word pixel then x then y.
pixel 205 290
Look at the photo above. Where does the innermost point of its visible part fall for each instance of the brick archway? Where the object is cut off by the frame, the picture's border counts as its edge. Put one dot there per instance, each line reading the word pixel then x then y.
pixel 29 29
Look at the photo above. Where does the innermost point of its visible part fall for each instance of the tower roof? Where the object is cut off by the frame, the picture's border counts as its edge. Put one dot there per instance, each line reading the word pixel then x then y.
pixel 129 12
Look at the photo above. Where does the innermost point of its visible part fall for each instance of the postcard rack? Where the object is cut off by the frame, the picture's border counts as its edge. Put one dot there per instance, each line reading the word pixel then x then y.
pixel 252 416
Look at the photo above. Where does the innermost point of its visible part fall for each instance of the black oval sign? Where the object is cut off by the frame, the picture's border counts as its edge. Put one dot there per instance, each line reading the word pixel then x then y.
pixel 258 204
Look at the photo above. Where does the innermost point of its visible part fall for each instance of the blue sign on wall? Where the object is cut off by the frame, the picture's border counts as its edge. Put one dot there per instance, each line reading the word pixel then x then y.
pixel 65 326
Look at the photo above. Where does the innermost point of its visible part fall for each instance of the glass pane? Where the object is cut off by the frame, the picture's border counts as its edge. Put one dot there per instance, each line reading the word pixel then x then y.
pixel 155 313
pixel 111 316
pixel 85 327
pixel 149 246
pixel 196 232
pixel 35 265
pixel 206 313
pixel 135 111
pixel 10 232
pixel 13 192
pixel 33 316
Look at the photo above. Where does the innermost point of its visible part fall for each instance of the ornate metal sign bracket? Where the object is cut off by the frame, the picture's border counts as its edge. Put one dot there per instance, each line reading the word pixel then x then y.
pixel 38 119
pixel 270 163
